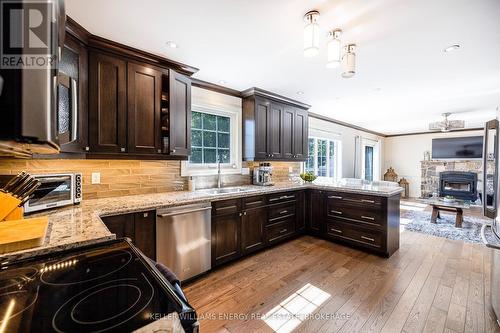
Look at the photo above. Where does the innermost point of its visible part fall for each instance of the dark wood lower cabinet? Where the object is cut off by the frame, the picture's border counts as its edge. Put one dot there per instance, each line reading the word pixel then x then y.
pixel 315 212
pixel 252 229
pixel 139 227
pixel 225 238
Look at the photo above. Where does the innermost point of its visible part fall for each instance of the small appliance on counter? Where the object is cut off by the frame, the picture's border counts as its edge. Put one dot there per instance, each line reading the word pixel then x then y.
pixel 55 190
pixel 106 287
pixel 262 175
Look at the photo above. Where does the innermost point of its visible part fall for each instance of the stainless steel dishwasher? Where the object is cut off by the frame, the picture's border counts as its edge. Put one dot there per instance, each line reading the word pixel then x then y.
pixel 183 239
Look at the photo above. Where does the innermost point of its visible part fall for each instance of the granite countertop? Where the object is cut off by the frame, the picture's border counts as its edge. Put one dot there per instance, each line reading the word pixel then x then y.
pixel 80 225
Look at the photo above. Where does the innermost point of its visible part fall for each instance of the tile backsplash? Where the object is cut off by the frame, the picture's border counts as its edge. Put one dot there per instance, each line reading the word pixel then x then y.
pixel 128 177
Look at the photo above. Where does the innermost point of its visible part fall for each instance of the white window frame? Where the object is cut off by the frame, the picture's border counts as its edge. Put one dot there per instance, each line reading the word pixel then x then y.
pixel 376 158
pixel 337 172
pixel 210 102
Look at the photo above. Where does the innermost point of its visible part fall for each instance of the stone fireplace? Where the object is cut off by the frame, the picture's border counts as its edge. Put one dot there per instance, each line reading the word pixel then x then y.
pixel 458 184
pixel 431 170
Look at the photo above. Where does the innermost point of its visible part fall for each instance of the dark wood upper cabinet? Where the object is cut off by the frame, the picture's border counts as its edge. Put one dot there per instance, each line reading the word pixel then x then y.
pixel 107 103
pixel 180 114
pixel 74 66
pixel 274 127
pixel 275 131
pixel 288 132
pixel 300 134
pixel 144 88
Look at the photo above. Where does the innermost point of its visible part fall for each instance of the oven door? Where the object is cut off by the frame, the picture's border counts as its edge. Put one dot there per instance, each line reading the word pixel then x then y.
pixel 54 191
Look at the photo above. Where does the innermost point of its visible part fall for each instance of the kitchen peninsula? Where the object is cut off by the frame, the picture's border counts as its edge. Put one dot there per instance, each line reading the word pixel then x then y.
pixel 363 215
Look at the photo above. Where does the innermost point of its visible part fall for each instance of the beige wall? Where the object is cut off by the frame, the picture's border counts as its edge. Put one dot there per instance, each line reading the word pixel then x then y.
pixel 404 154
pixel 128 177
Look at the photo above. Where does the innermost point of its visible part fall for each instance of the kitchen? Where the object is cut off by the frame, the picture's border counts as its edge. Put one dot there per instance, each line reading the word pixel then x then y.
pixel 142 193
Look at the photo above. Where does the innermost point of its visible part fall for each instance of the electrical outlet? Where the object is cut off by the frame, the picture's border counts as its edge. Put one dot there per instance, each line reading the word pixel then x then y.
pixel 245 171
pixel 96 177
pixel 290 169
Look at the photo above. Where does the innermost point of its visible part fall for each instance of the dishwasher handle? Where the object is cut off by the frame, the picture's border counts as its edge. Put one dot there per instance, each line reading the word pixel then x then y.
pixel 180 212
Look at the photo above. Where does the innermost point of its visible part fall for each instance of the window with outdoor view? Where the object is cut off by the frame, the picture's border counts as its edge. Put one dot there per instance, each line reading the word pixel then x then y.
pixel 323 157
pixel 210 138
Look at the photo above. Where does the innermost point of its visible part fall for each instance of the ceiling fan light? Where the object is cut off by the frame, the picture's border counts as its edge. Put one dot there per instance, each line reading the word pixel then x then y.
pixel 349 61
pixel 311 34
pixel 334 48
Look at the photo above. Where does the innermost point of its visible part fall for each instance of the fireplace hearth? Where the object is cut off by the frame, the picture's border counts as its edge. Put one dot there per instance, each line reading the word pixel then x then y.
pixel 458 184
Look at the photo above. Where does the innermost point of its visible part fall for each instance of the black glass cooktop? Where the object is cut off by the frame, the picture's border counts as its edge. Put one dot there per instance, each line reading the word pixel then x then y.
pixel 104 288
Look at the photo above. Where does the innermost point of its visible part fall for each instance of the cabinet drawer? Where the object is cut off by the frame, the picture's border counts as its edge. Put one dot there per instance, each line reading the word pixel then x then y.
pixel 254 202
pixel 373 218
pixel 280 230
pixel 351 199
pixel 359 235
pixel 281 197
pixel 281 211
pixel 226 207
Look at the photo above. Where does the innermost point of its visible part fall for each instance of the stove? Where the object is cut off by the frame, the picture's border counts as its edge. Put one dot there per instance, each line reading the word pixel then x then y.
pixel 110 287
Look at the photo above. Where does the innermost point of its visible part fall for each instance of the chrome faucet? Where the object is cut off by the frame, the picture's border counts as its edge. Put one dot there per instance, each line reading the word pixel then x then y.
pixel 218 172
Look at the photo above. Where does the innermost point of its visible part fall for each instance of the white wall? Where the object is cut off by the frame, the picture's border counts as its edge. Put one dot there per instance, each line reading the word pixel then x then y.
pixel 347 136
pixel 404 154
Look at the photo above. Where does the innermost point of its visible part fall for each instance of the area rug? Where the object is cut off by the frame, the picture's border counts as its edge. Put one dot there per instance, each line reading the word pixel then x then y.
pixel 445 227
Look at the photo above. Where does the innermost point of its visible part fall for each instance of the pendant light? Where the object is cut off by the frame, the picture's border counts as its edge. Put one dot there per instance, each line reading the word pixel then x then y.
pixel 334 48
pixel 311 33
pixel 349 61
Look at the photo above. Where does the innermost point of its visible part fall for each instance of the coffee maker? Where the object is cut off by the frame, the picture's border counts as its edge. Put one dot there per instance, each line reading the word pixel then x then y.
pixel 262 175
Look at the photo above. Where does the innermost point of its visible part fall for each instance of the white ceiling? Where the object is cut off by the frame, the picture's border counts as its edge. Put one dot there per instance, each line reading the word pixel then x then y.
pixel 259 43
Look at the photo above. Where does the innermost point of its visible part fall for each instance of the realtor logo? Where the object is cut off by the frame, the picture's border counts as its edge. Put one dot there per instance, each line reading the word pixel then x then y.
pixel 26 34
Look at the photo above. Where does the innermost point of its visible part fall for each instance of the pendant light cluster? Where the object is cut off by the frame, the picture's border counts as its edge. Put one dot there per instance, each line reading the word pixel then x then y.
pixel 334 47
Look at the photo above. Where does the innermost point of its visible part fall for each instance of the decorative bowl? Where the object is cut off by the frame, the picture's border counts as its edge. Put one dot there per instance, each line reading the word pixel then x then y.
pixel 308 176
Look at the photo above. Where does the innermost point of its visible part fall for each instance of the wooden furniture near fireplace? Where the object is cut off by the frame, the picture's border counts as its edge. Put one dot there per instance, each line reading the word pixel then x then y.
pixel 456 207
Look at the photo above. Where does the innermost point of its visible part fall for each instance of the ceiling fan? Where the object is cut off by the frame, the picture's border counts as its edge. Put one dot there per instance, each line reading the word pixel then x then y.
pixel 446 125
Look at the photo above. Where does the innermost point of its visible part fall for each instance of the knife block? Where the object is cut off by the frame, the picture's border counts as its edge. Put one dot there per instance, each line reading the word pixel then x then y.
pixel 10 205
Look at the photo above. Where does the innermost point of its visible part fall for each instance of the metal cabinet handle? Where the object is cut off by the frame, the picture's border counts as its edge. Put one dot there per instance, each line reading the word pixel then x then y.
pixel 368 239
pixel 336 212
pixel 485 241
pixel 283 212
pixel 87 148
pixel 334 197
pixel 145 215
pixel 367 201
pixel 368 218
pixel 240 214
pixel 184 212
pixel 283 231
pixel 74 110
pixel 173 151
pixel 244 213
pixel 122 149
pixel 283 197
pixel 336 230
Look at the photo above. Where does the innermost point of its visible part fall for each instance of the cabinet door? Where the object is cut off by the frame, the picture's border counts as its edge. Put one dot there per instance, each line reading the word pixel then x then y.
pixel 300 212
pixel 144 98
pixel 262 112
pixel 316 212
pixel 107 104
pixel 275 130
pixel 225 238
pixel 288 133
pixel 180 114
pixel 252 229
pixel 73 64
pixel 301 134
pixel 121 225
pixel 145 233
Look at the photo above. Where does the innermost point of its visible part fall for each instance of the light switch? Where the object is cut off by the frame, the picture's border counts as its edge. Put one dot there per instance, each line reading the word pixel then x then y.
pixel 96 177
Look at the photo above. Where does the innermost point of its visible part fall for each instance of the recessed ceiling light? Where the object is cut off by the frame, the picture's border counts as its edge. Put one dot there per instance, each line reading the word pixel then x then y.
pixel 300 93
pixel 222 82
pixel 172 44
pixel 378 89
pixel 452 48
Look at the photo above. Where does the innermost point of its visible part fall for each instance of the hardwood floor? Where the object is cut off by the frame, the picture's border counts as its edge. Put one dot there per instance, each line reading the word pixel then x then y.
pixel 431 284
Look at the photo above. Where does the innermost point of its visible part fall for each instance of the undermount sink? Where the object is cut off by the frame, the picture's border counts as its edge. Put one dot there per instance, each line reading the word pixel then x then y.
pixel 225 190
